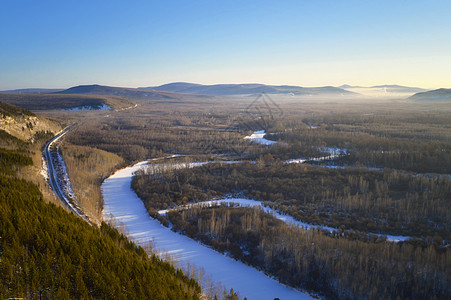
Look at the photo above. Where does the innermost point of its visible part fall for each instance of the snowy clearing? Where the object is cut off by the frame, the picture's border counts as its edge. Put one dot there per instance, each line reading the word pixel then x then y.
pixel 258 137
pixel 121 202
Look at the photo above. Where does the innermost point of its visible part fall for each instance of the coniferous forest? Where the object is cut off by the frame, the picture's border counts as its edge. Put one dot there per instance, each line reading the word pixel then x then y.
pixel 48 252
pixel 44 247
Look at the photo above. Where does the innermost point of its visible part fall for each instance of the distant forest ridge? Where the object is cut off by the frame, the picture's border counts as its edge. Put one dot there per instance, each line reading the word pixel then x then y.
pixel 130 93
pixel 36 102
pixel 170 91
pixel 434 95
pixel 246 89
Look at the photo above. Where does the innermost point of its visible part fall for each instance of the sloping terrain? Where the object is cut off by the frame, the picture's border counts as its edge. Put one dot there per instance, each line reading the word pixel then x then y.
pixel 46 248
pixel 46 251
pixel 31 91
pixel 439 95
pixel 23 124
pixel 129 93
pixel 38 102
pixel 384 91
pixel 245 89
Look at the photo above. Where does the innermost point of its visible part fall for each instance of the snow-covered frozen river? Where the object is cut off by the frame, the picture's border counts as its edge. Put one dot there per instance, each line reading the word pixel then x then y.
pixel 121 202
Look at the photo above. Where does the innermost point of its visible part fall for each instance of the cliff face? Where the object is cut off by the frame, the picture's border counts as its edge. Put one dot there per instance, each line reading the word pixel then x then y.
pixel 26 127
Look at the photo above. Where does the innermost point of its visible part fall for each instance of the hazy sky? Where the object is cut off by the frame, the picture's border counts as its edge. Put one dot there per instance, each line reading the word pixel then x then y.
pixel 62 43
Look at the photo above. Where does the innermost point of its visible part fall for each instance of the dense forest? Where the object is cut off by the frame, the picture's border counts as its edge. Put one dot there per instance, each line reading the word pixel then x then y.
pixel 12 110
pixel 416 142
pixel 389 202
pixel 46 251
pixel 11 160
pixel 44 247
pixel 392 136
pixel 327 264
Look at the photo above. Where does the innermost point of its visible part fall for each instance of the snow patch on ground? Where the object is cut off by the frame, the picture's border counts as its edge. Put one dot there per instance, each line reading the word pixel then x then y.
pixel 121 202
pixel 130 107
pixel 44 170
pixel 64 176
pixel 333 153
pixel 82 108
pixel 258 137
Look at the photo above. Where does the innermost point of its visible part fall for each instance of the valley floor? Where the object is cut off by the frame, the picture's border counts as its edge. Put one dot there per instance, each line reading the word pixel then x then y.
pixel 124 206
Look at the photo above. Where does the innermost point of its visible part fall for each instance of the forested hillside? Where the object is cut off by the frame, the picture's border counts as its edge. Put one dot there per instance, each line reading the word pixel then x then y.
pixel 45 248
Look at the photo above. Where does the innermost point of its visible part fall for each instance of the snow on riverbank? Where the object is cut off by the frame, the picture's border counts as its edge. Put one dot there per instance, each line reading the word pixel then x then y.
pixel 258 137
pixel 121 202
pixel 333 154
pixel 285 218
pixel 158 168
pixel 83 108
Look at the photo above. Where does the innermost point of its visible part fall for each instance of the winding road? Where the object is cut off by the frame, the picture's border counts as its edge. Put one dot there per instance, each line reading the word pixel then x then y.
pixel 58 177
pixel 57 171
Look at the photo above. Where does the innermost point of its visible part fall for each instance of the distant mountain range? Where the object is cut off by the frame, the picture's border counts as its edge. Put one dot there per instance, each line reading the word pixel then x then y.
pixel 246 89
pixel 388 90
pixel 31 91
pixel 170 91
pixel 440 95
pixel 130 93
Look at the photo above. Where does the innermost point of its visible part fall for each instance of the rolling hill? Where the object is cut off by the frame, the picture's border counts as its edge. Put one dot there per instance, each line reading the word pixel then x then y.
pixel 439 95
pixel 129 93
pixel 246 89
pixel 388 90
pixel 37 102
pixel 31 91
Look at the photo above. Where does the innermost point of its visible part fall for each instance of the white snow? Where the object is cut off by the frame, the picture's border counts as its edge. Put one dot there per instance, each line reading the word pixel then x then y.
pixel 82 108
pixel 242 202
pixel 158 168
pixel 333 153
pixel 258 137
pixel 130 107
pixel 60 179
pixel 296 161
pixel 397 238
pixel 44 170
pixel 121 202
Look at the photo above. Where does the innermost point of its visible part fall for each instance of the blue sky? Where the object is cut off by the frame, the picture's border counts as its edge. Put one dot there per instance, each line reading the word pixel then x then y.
pixel 58 44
